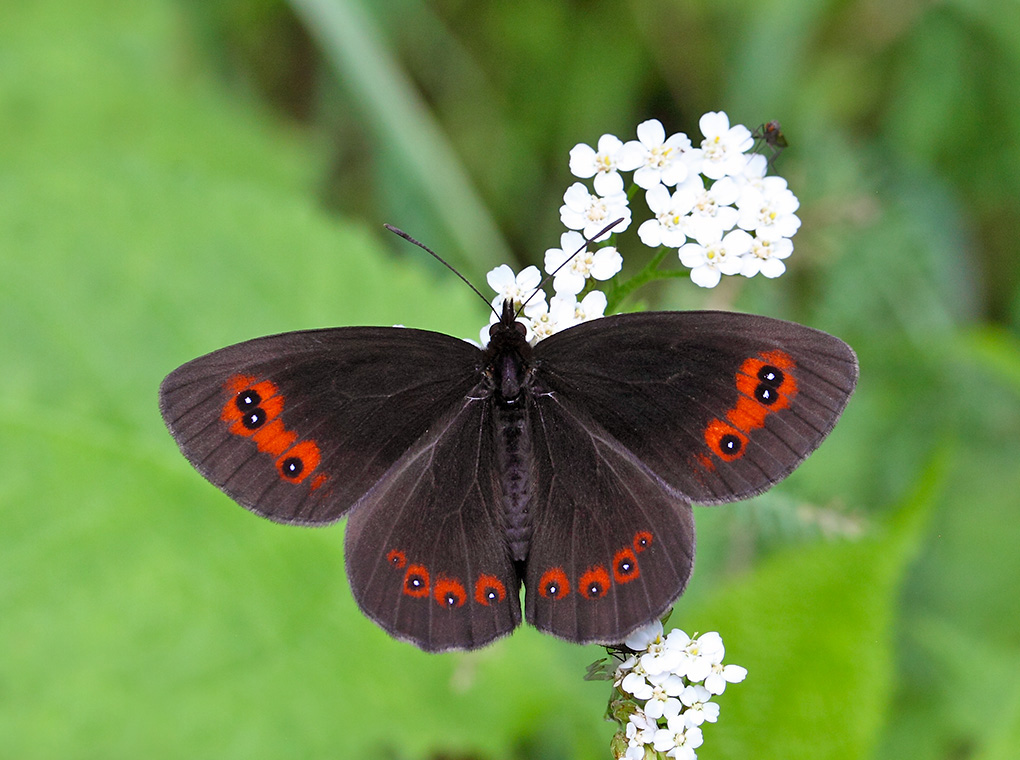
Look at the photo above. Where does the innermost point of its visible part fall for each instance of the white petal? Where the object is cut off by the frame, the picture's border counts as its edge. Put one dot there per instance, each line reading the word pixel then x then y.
pixel 714 123
pixel 501 277
pixel 658 199
pixel 705 277
pixel 637 686
pixel 734 673
pixel 646 177
pixel 736 243
pixel 577 196
pixel 692 255
pixel 650 233
pixel 606 263
pixel 529 279
pixel 651 133
pixel 609 144
pixel 772 268
pixel 664 740
pixel 630 156
pixel 568 282
pixel 554 258
pixel 594 304
pixel 582 161
pixel 675 173
pixel 642 637
pixel 608 183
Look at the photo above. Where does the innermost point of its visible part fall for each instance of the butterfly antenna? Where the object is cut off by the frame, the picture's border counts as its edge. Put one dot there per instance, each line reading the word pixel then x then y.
pixel 569 258
pixel 442 261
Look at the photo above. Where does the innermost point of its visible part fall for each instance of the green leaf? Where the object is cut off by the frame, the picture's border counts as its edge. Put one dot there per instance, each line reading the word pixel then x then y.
pixel 816 629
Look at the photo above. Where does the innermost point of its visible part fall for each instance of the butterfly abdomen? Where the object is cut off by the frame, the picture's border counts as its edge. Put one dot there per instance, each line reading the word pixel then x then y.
pixel 512 430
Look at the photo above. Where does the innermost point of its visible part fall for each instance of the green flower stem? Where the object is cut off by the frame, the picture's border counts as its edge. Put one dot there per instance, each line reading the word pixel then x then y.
pixel 650 273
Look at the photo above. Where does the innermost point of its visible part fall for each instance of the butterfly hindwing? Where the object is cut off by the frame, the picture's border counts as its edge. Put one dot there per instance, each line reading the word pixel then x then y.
pixel 719 405
pixel 613 546
pixel 426 552
pixel 298 426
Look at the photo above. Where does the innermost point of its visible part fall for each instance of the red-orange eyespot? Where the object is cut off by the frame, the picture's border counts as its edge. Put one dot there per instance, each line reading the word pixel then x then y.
pixel 397 558
pixel 594 583
pixel 489 590
pixel 642 540
pixel 625 566
pixel 725 441
pixel 416 581
pixel 298 462
pixel 251 405
pixel 553 584
pixel 450 592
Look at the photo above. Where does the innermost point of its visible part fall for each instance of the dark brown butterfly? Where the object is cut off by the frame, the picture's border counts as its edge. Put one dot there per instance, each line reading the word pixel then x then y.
pixel 568 467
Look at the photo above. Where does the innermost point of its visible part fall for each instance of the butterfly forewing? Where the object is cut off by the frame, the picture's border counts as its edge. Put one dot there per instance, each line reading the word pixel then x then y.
pixel 297 427
pixel 719 405
pixel 426 550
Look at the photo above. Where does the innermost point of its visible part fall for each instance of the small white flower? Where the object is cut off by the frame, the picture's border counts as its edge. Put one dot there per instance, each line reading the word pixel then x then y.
pixel 659 658
pixel 569 280
pixel 712 214
pixel 721 675
pixel 592 306
pixel 514 288
pixel 754 171
pixel 696 699
pixel 723 148
pixel 635 684
pixel 640 730
pixel 644 636
pixel 656 158
pixel 668 227
pixel 768 210
pixel 592 213
pixel 602 164
pixel 709 262
pixel 546 320
pixel 766 257
pixel 678 740
pixel 666 687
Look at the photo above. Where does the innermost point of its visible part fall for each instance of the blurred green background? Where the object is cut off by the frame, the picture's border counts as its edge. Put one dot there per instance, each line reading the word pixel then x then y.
pixel 177 176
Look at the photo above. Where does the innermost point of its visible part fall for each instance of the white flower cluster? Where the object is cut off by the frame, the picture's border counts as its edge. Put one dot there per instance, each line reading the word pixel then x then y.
pixel 672 680
pixel 713 203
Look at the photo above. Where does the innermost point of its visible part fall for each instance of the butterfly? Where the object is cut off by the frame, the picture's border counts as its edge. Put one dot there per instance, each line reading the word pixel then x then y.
pixel 568 467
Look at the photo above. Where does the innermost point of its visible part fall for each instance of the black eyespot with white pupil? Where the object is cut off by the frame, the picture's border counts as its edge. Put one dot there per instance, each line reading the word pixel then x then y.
pixel 594 589
pixel 766 394
pixel 417 582
pixel 552 588
pixel 730 444
pixel 451 599
pixel 292 467
pixel 248 399
pixel 771 376
pixel 254 418
pixel 624 566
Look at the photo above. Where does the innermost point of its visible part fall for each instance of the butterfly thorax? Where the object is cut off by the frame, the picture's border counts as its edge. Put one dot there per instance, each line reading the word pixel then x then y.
pixel 508 370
